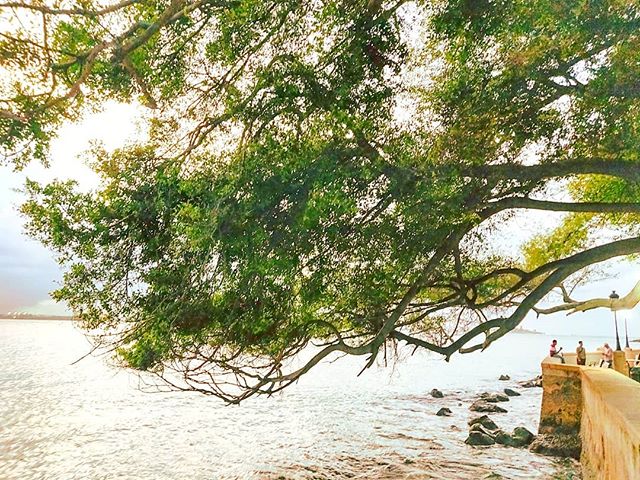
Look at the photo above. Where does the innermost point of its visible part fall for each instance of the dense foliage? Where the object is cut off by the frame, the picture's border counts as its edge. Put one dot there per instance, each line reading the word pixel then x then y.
pixel 331 171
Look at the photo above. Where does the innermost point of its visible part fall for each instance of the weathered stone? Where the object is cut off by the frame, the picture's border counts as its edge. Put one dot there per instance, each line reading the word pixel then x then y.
pixel 435 393
pixel 485 421
pixel 494 397
pixel 478 427
pixel 511 393
pixel 482 406
pixel 559 445
pixel 444 412
pixel 503 438
pixel 478 438
pixel 522 437
pixel 504 377
pixel 534 382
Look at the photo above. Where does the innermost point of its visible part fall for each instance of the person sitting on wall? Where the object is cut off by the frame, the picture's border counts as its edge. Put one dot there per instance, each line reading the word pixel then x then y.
pixel 607 356
pixel 581 353
pixel 555 352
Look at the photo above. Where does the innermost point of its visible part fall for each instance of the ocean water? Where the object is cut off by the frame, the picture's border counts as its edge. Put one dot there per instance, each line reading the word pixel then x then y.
pixel 88 420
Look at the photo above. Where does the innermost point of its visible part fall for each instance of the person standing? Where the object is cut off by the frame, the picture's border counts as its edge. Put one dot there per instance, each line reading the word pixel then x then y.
pixel 607 356
pixel 581 353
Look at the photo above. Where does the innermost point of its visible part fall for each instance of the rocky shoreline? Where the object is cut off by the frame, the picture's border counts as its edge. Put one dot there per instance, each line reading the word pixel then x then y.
pixel 484 432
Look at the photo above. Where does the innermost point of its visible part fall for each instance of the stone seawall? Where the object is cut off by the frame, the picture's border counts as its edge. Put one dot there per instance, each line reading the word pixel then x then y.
pixel 610 427
pixel 561 399
pixel 604 407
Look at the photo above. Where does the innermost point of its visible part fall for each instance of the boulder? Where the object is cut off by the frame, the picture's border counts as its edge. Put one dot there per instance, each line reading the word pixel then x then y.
pixel 485 421
pixel 478 427
pixel 503 438
pixel 511 393
pixel 435 393
pixel 494 397
pixel 534 382
pixel 504 377
pixel 522 437
pixel 482 406
pixel 557 445
pixel 444 412
pixel 479 438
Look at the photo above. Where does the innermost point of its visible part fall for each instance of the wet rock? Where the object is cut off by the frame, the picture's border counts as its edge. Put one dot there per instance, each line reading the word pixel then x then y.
pixel 482 406
pixel 485 421
pixel 479 438
pixel 444 412
pixel 435 393
pixel 503 438
pixel 504 377
pixel 511 393
pixel 534 382
pixel 522 436
pixel 557 445
pixel 478 427
pixel 494 397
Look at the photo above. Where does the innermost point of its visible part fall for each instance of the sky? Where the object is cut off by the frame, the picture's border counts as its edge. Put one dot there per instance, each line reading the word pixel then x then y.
pixel 28 271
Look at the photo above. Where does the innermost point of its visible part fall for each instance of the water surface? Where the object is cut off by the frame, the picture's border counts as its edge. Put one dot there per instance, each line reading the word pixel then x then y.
pixel 90 421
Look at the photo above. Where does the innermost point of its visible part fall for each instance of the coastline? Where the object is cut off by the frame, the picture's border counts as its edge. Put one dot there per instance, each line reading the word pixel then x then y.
pixel 47 318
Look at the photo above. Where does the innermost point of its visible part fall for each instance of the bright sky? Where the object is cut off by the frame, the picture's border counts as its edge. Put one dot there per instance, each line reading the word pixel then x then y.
pixel 28 272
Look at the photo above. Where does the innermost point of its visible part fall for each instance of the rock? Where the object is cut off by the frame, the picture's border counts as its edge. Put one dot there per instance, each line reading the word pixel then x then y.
pixel 455 428
pixel 494 397
pixel 482 406
pixel 478 427
pixel 485 421
pixel 534 382
pixel 522 437
pixel 444 412
pixel 504 377
pixel 435 393
pixel 478 438
pixel 503 438
pixel 557 445
pixel 511 393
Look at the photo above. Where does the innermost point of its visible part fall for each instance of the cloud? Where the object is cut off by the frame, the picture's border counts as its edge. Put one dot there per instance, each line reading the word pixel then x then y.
pixel 28 271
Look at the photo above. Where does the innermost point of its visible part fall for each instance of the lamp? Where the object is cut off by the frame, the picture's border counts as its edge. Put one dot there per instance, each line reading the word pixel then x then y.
pixel 615 296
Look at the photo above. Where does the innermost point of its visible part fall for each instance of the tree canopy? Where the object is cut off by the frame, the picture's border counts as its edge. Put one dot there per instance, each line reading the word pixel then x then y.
pixel 331 172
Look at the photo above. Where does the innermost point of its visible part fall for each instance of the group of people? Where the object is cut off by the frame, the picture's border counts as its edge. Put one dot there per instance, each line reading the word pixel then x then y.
pixel 581 354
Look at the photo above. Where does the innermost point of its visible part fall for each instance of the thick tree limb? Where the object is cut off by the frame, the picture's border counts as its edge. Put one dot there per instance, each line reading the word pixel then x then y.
pixel 628 302
pixel 618 168
pixel 593 207
pixel 69 11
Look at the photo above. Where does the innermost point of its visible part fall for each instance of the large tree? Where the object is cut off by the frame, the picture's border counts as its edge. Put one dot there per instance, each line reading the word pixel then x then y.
pixel 336 172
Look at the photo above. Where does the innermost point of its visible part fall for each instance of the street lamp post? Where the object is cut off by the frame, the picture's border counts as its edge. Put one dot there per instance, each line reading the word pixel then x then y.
pixel 615 296
pixel 626 333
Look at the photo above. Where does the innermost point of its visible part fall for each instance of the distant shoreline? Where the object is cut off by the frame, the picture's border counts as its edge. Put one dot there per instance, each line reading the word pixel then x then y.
pixel 36 317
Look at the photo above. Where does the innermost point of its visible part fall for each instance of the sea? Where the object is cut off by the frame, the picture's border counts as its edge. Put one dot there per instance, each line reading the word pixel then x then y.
pixel 66 420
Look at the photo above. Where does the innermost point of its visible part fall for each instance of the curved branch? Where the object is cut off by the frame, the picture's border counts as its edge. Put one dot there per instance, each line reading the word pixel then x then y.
pixel 628 302
pixel 69 11
pixel 628 170
pixel 592 207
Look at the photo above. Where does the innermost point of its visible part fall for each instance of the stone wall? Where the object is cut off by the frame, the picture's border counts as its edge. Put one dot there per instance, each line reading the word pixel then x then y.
pixel 604 406
pixel 610 427
pixel 561 399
